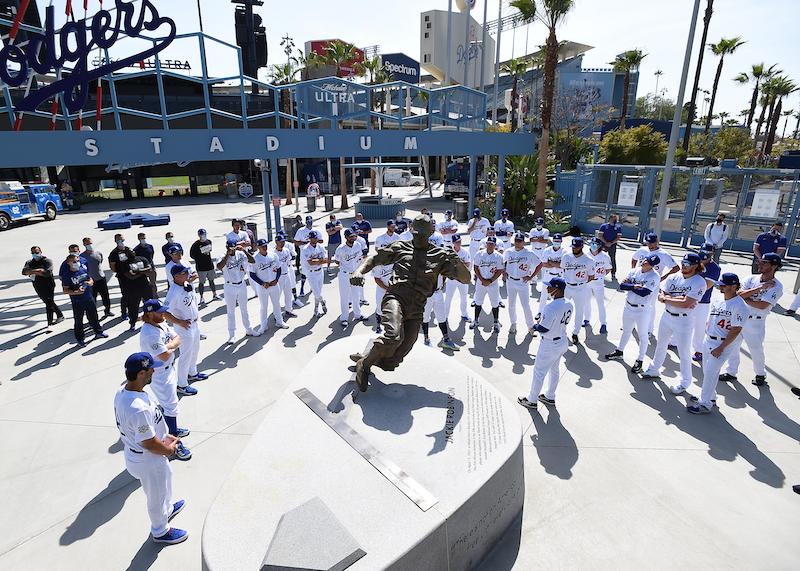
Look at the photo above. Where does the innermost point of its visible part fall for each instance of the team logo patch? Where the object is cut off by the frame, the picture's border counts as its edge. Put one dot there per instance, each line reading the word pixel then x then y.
pixel 154 346
pixel 143 429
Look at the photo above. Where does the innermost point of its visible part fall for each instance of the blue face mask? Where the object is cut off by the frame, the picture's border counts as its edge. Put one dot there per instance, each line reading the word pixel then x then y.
pixel 89 247
pixel 594 247
pixel 203 236
pixel 120 242
pixel 37 256
pixel 170 240
pixel 75 265
pixel 143 241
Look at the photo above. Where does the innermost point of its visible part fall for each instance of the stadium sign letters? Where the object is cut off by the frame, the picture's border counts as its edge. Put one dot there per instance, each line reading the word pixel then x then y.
pixel 72 44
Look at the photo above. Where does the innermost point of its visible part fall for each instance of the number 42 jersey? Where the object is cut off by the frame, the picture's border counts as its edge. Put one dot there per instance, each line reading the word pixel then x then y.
pixel 725 314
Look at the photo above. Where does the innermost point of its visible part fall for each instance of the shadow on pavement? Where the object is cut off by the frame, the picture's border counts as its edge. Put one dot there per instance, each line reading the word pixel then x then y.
pixel 555 446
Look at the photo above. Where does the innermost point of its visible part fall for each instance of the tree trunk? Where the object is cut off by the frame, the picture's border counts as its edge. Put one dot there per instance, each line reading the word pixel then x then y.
pixel 443 167
pixel 288 181
pixel 548 88
pixel 687 134
pixel 713 94
pixel 343 184
pixel 372 178
pixel 513 103
pixel 773 127
pixel 760 122
pixel 753 104
pixel 625 94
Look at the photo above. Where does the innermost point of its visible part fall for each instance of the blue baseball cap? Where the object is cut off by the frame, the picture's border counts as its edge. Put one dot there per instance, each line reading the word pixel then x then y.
pixel 708 246
pixel 691 258
pixel 557 236
pixel 491 240
pixel 476 211
pixel 262 242
pixel 179 269
pixel 519 236
pixel 557 283
pixel 651 238
pixel 448 211
pixel 728 279
pixel 140 362
pixel 174 249
pixel 153 306
pixel 230 244
pixel 280 237
pixel 348 232
pixel 652 259
pixel 202 231
pixel 773 259
pixel 391 223
pixel 504 212
pixel 577 242
pixel 313 234
pixel 455 238
pixel 540 220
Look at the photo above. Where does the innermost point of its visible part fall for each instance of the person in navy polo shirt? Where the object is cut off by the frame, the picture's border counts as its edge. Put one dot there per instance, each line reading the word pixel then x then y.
pixel 610 234
pixel 364 228
pixel 772 242
pixel 77 284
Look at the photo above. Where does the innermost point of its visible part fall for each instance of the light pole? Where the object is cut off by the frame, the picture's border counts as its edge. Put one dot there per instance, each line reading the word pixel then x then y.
pixel 288 46
pixel 661 102
pixel 658 75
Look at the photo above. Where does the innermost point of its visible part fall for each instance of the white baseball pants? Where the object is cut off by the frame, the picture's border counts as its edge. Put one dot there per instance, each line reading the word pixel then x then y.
pixel 348 294
pixel 265 296
pixel 680 329
pixel 753 334
pixel 518 289
pixel 155 475
pixel 638 317
pixel 547 362
pixel 579 295
pixel 236 294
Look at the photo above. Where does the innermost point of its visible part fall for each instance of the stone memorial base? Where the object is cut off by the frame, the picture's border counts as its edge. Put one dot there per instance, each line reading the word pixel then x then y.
pixel 423 471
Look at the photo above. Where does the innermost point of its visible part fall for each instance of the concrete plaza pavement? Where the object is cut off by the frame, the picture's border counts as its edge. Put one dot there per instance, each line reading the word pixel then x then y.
pixel 618 476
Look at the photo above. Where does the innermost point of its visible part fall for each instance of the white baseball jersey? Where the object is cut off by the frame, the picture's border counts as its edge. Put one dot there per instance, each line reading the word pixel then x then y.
pixel 725 314
pixel 555 318
pixel 266 267
pixel 602 264
pixel 771 295
pixel 349 257
pixel 235 269
pixel 536 233
pixel 384 240
pixel 552 255
pixel 577 269
pixel 171 264
pixel 436 239
pixel 676 286
pixel 648 280
pixel 181 303
pixel 154 338
pixel 463 255
pixel 479 230
pixel 302 234
pixel 499 245
pixel 488 264
pixel 504 229
pixel 407 235
pixel 360 241
pixel 667 262
pixel 383 273
pixel 285 258
pixel 240 236
pixel 309 252
pixel 447 225
pixel 520 264
pixel 138 418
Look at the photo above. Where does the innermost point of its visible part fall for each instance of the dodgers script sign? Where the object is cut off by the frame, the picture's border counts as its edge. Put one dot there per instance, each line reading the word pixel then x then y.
pixel 72 44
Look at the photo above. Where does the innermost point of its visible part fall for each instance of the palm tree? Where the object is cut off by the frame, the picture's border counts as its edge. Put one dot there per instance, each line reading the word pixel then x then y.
pixel 687 133
pixel 307 63
pixel 627 63
pixel 783 87
pixel 721 49
pixel 551 13
pixel 513 67
pixel 788 113
pixel 337 54
pixel 284 74
pixel 757 74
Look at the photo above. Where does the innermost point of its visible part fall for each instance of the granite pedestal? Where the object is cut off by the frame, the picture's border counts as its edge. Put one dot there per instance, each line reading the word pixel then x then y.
pixel 422 471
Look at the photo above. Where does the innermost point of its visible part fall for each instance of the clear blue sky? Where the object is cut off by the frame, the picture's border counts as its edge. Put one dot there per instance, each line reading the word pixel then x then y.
pixel 659 29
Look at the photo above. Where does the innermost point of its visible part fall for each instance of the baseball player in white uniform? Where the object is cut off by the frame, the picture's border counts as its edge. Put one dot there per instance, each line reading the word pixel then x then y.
pixel 578 271
pixel 504 230
pixel 679 294
pixel 760 292
pixel 312 258
pixel 265 275
pixel 726 319
pixel 301 240
pixel 521 264
pixel 667 263
pixel 387 237
pixel 447 228
pixel 477 229
pixel 287 282
pixel 602 265
pixel 146 446
pixel 487 265
pixel 234 264
pixel 711 272
pixel 156 337
pixel 238 234
pixel 436 305
pixel 453 286
pixel 381 275
pixel 540 239
pixel 553 330
pixel 361 241
pixel 182 303
pixel 551 266
pixel 349 255
pixel 641 282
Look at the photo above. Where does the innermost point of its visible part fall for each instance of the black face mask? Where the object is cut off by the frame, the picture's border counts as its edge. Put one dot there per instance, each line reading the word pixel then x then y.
pixel 188 287
pixel 719 220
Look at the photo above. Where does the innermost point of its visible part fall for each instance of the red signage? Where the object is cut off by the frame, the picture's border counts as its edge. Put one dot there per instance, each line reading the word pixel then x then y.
pixel 349 67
